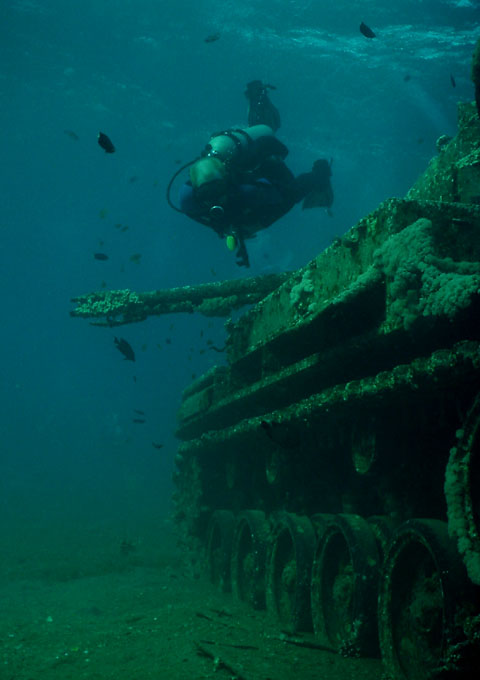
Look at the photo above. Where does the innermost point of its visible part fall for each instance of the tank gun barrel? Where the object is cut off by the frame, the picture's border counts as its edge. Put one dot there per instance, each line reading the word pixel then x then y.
pixel 119 307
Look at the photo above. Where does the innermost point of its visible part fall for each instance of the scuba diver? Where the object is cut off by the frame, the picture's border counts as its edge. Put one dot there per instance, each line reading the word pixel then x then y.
pixel 240 184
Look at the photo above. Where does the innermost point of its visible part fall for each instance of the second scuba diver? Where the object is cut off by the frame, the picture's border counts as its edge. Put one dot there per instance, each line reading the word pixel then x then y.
pixel 240 184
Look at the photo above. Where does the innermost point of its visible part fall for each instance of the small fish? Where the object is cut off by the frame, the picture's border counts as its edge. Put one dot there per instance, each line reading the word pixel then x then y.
pixel 105 142
pixel 102 213
pixel 213 37
pixel 118 225
pixel 100 256
pixel 157 446
pixel 367 31
pixel 127 547
pixel 125 348
pixel 168 341
pixel 136 257
pixel 139 421
pixel 141 413
pixel 133 179
pixel 407 77
pixel 124 228
pixel 73 135
pixel 452 81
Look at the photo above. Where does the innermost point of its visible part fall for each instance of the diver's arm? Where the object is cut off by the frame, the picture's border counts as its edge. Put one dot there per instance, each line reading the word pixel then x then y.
pixel 195 211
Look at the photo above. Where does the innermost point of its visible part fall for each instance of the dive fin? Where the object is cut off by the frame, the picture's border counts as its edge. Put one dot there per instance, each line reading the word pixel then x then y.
pixel 321 195
pixel 318 199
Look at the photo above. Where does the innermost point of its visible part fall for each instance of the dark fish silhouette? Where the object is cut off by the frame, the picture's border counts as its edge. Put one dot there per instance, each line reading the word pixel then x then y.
pixel 141 413
pixel 367 31
pixel 157 446
pixel 407 77
pixel 125 348
pixel 139 420
pixel 452 80
pixel 105 143
pixel 213 37
pixel 100 256
pixel 73 135
pixel 127 547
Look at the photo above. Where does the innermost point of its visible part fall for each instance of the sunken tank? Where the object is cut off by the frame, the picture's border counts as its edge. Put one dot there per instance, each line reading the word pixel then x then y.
pixel 331 470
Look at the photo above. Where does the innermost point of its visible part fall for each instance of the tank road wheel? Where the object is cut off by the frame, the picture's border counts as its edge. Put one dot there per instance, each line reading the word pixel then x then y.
pixel 219 548
pixel 288 571
pixel 345 586
pixel 422 587
pixel 248 558
pixel 383 528
pixel 462 491
pixel 321 522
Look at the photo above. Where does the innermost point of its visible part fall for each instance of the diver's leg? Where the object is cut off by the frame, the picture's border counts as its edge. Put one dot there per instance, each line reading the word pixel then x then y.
pixel 241 254
pixel 261 111
pixel 304 185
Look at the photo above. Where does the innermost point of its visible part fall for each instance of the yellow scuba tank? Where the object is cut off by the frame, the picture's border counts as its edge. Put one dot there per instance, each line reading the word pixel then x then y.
pixel 226 145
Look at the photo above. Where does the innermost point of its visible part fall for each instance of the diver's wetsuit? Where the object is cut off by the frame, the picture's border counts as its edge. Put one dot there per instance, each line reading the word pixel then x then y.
pixel 255 198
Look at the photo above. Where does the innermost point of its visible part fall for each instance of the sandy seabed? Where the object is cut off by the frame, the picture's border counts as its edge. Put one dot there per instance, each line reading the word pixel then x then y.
pixel 105 615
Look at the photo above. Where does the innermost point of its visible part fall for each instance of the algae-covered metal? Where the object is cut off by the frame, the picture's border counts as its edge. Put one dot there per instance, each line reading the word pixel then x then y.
pixel 333 422
pixel 118 307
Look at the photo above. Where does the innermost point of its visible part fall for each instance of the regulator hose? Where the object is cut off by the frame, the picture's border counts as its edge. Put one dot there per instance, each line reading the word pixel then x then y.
pixel 174 177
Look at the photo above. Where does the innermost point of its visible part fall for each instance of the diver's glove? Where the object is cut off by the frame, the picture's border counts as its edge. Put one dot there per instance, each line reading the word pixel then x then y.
pixel 261 111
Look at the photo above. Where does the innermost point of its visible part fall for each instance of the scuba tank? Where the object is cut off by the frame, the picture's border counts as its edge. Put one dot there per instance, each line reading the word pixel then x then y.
pixel 235 143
